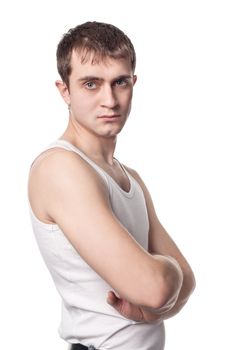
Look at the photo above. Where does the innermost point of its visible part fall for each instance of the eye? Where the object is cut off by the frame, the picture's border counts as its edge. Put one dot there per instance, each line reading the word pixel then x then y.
pixel 90 85
pixel 121 82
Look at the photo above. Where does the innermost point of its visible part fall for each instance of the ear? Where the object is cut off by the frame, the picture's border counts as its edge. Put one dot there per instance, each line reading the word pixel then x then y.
pixel 134 79
pixel 64 91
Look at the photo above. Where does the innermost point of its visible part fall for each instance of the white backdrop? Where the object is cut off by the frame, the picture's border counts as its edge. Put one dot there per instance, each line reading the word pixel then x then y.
pixel 179 138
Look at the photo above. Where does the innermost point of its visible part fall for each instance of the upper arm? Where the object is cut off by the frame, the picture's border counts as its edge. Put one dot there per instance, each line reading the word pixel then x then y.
pixel 75 197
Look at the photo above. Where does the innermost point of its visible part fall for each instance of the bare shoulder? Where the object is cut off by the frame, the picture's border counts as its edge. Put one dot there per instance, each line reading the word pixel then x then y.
pixel 59 171
pixel 132 172
pixel 54 164
pixel 51 158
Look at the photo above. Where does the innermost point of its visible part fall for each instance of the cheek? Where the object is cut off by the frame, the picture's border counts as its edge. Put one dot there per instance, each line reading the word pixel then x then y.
pixel 82 103
pixel 126 99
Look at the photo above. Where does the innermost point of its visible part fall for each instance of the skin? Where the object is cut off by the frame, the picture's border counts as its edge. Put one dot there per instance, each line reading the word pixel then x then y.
pixel 109 94
pixel 96 92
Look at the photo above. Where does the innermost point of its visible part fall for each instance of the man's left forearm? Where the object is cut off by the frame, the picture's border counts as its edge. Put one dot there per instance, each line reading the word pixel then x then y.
pixel 168 312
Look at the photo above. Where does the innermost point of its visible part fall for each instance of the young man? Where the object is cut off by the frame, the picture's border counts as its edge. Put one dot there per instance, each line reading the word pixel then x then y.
pixel 116 268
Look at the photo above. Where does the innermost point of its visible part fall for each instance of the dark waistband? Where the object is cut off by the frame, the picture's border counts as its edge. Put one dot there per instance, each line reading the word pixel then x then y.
pixel 82 347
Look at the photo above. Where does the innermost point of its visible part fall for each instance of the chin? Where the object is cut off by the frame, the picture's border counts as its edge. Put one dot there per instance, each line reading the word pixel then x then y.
pixel 111 132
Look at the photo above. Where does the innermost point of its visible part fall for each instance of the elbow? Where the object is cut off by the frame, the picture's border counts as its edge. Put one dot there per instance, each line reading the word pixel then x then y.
pixel 172 285
pixel 167 289
pixel 190 282
pixel 169 293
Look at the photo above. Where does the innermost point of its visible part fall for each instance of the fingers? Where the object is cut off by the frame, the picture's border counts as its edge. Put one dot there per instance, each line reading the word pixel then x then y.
pixel 124 308
pixel 112 298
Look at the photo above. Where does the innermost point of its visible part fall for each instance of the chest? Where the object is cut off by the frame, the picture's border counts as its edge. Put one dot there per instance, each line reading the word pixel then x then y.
pixel 119 176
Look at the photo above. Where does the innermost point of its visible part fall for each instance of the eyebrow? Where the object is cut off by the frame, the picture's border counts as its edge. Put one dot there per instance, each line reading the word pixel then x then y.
pixel 92 77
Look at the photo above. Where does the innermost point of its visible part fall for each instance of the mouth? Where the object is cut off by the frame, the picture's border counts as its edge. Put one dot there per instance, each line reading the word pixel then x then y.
pixel 110 117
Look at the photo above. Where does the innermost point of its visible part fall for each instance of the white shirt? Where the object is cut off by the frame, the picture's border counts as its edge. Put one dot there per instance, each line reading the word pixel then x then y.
pixel 86 316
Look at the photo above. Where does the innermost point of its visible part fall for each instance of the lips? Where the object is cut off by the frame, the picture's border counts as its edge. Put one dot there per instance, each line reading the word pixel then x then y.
pixel 110 116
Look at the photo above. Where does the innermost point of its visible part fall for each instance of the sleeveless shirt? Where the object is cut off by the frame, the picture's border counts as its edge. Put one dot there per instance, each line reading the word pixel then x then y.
pixel 86 317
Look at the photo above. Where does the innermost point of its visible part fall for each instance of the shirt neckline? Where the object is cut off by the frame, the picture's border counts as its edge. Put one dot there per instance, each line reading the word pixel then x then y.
pixel 130 179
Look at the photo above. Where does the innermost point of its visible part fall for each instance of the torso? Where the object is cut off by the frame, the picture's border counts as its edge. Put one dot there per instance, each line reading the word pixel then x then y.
pixel 90 310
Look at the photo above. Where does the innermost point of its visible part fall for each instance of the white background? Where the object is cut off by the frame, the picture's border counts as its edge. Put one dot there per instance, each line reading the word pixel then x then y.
pixel 179 138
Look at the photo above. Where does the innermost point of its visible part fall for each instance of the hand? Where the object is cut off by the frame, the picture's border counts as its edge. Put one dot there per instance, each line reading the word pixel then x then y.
pixel 124 307
pixel 131 311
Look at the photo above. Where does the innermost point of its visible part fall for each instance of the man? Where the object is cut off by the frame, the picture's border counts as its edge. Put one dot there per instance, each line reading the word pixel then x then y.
pixel 116 268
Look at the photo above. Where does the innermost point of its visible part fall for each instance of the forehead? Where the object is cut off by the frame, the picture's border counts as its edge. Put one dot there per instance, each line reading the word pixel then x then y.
pixel 106 68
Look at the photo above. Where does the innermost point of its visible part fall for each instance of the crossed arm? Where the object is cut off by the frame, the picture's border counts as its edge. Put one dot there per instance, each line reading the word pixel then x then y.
pixel 62 182
pixel 160 243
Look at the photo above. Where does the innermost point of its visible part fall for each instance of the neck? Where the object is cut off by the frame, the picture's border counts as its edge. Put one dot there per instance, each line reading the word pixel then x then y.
pixel 96 147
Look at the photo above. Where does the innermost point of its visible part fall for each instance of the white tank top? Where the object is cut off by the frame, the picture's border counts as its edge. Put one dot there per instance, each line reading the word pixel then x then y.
pixel 86 316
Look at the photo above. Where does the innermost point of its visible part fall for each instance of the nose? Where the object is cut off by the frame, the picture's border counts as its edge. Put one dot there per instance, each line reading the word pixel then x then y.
pixel 108 97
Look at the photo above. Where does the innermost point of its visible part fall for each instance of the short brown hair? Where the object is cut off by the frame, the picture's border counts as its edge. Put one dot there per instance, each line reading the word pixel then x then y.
pixel 101 39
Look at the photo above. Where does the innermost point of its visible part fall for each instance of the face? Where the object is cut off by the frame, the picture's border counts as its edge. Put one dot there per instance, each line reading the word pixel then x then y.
pixel 99 95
